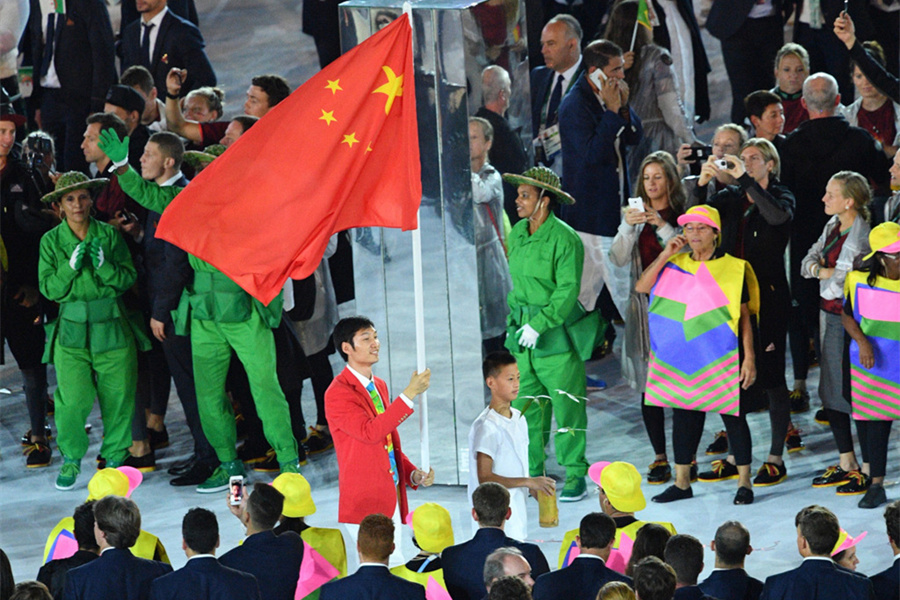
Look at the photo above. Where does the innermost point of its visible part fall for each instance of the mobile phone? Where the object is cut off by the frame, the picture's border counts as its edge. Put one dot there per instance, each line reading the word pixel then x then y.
pixel 598 77
pixel 846 7
pixel 125 217
pixel 235 490
pixel 700 153
pixel 636 203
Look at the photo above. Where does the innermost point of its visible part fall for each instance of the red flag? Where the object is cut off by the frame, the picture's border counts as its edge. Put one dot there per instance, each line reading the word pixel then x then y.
pixel 341 151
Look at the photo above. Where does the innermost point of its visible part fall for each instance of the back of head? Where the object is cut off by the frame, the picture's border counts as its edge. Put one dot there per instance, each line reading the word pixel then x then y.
pixel 491 503
pixel 650 541
pixel 120 519
pixel 509 588
pixel 346 329
pixel 495 361
pixel 820 527
pixel 820 92
pixel 170 146
pixel 275 86
pixel 138 77
pixel 597 531
pixel 264 506
pixel 685 554
pixel 892 520
pixel 654 579
pixel 598 53
pixel 31 590
pixel 200 530
pixel 84 526
pixel 616 590
pixel 495 564
pixel 376 537
pixel 109 121
pixel 732 544
pixel 494 80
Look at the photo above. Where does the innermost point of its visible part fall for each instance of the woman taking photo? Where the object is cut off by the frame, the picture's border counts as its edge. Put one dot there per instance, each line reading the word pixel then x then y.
pixel 829 260
pixel 873 110
pixel 642 235
pixel 700 331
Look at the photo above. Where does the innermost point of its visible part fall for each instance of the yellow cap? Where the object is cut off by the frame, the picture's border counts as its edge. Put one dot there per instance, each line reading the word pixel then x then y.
pixel 706 215
pixel 621 483
pixel 108 482
pixel 432 527
pixel 884 238
pixel 298 500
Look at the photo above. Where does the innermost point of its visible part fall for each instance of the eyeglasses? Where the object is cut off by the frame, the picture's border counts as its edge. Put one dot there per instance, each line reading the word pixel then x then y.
pixel 697 228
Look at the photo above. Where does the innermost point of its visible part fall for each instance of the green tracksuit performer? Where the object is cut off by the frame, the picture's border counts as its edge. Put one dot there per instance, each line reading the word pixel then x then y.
pixel 220 317
pixel 548 330
pixel 85 267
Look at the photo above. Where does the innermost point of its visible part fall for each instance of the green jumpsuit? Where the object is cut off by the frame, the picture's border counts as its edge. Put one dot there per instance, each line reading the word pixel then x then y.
pixel 221 317
pixel 546 273
pixel 92 342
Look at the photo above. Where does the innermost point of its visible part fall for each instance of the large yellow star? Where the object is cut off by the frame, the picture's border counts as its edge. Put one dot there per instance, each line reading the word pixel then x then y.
pixel 350 139
pixel 392 89
pixel 327 116
pixel 334 86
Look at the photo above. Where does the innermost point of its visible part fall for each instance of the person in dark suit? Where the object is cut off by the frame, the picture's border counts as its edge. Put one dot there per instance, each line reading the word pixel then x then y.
pixel 588 572
pixel 464 563
pixel 887 583
pixel 203 577
pixel 503 563
pixel 817 577
pixel 729 580
pixel 684 553
pixel 373 580
pixel 117 574
pixel 273 559
pixel 74 65
pixel 654 579
pixel 162 40
pixel 186 9
pixel 53 574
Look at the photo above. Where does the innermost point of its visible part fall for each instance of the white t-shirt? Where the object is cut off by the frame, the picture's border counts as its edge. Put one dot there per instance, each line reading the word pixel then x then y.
pixel 506 442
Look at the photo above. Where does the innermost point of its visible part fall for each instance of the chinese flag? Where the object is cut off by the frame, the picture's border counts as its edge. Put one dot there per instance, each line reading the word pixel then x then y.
pixel 342 151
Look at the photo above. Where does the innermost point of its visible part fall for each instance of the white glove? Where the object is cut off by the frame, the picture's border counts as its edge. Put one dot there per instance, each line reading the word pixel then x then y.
pixel 527 336
pixel 77 258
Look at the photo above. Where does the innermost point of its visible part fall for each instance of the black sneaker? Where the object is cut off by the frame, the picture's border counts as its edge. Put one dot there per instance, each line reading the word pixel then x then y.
pixel 271 464
pixel 719 445
pixel 859 484
pixel 158 439
pixel 26 439
pixel 144 464
pixel 672 494
pixel 318 441
pixel 792 440
pixel 833 475
pixel 743 496
pixel 770 474
pixel 821 417
pixel 39 455
pixel 874 498
pixel 721 470
pixel 799 401
pixel 660 472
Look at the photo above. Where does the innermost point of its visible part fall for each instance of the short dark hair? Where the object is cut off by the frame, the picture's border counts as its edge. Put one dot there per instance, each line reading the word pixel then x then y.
pixel 31 590
pixel 246 121
pixel 346 329
pixel 820 528
pixel 120 519
pixel 654 579
pixel 170 145
pixel 892 520
pixel 200 530
pixel 139 77
pixel 491 503
pixel 685 554
pixel 84 526
pixel 597 530
pixel 495 361
pixel 732 543
pixel 275 86
pixel 265 505
pixel 509 587
pixel 109 121
pixel 599 52
pixel 376 536
pixel 495 563
pixel 757 102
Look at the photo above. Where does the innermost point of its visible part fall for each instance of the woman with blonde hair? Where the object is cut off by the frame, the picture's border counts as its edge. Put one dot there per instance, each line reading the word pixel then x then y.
pixel 616 590
pixel 791 70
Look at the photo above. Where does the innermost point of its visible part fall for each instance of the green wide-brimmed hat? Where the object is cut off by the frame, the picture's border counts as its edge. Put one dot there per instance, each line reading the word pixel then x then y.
pixel 195 158
pixel 71 181
pixel 541 177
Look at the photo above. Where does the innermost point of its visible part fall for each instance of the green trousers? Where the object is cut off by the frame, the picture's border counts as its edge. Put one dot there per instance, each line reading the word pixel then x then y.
pixel 81 376
pixel 252 341
pixel 542 376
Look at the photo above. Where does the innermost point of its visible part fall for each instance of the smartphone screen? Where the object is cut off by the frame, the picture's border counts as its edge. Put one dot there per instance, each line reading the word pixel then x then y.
pixel 235 490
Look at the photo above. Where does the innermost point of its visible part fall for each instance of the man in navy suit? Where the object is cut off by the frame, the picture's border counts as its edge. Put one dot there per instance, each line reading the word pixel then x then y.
pixel 203 577
pixel 729 580
pixel 684 553
pixel 887 583
pixel 588 572
pixel 817 577
pixel 464 563
pixel 117 574
pixel 161 40
pixel 53 574
pixel 373 580
pixel 273 559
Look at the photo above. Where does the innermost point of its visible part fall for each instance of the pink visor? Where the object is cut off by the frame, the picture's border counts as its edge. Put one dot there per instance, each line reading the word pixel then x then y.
pixel 697 217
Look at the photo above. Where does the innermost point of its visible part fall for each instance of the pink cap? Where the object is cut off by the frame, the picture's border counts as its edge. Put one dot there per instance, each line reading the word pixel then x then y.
pixel 595 470
pixel 134 476
pixel 845 540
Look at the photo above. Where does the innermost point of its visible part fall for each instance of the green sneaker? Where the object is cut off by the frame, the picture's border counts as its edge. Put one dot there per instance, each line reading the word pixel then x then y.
pixel 289 467
pixel 68 474
pixel 218 481
pixel 574 490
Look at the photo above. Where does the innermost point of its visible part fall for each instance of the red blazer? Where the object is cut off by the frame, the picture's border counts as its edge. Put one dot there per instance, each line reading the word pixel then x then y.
pixel 365 484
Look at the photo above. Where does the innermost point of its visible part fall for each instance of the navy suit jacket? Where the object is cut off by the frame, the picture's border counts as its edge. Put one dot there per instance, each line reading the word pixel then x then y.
pixel 178 44
pixel 463 564
pixel 817 580
pixel 582 579
pixel 273 559
pixel 541 81
pixel 372 583
pixel 887 583
pixel 205 579
pixel 732 584
pixel 691 592
pixel 116 575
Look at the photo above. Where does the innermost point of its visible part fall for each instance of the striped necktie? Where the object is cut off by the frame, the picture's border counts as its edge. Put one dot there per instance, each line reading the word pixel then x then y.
pixel 379 408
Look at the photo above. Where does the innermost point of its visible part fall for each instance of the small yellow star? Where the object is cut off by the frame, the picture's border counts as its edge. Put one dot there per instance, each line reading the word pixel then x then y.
pixel 393 88
pixel 327 116
pixel 334 86
pixel 350 139
pixel 369 149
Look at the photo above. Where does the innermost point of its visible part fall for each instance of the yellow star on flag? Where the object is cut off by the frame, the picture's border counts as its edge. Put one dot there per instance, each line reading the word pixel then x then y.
pixel 350 139
pixel 327 116
pixel 392 89
pixel 334 86
pixel 369 149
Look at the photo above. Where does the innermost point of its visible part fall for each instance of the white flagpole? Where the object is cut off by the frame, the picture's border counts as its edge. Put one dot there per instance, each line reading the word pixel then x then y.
pixel 633 36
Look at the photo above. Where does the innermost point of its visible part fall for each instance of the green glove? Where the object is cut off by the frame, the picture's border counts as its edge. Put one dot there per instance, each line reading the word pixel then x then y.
pixel 77 259
pixel 113 147
pixel 96 252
